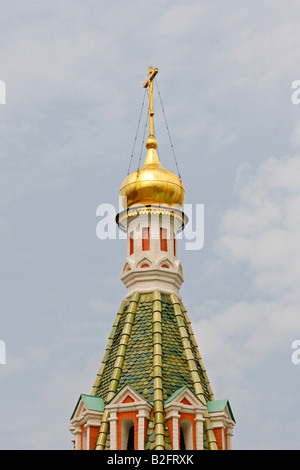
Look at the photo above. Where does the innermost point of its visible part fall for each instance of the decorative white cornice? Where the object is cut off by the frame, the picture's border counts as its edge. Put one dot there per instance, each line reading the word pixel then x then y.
pixel 147 280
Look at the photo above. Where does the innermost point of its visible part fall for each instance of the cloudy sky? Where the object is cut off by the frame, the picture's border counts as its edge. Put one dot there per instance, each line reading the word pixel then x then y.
pixel 74 73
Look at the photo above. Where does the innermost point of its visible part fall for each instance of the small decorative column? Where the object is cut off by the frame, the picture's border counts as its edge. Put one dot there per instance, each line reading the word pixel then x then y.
pixel 199 419
pixel 229 436
pixel 142 416
pixel 113 418
pixel 176 431
pixel 174 415
pixel 86 437
pixel 77 434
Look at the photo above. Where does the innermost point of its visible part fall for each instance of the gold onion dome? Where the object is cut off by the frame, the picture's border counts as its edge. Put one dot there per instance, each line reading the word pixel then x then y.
pixel 152 184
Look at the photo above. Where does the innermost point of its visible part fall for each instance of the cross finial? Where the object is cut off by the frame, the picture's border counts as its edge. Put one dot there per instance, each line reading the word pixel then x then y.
pixel 151 142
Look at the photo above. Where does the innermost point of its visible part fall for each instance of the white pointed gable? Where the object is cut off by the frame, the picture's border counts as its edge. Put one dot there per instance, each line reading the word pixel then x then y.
pixel 126 398
pixel 185 399
pixel 87 406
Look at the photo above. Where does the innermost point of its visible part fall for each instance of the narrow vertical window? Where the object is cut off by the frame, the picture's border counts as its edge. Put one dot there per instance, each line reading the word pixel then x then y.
pixel 182 441
pixel 175 245
pixel 130 443
pixel 186 435
pixel 145 239
pixel 163 239
pixel 131 243
pixel 127 435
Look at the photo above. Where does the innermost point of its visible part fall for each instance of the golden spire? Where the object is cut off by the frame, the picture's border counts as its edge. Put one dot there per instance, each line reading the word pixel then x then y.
pixel 152 184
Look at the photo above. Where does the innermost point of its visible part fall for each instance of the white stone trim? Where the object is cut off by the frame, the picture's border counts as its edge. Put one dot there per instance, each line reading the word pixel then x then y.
pixel 229 433
pixel 142 416
pixel 113 419
pixel 139 405
pixel 175 408
pixel 147 280
pixel 76 431
pixel 173 414
pixel 222 420
pixel 88 418
pixel 199 419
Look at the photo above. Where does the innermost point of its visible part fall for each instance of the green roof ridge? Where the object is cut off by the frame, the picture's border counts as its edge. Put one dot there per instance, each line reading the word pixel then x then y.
pixel 158 402
pixel 219 405
pixel 91 402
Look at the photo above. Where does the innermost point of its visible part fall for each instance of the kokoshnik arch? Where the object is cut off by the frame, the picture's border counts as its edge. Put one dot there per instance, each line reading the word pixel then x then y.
pixel 152 390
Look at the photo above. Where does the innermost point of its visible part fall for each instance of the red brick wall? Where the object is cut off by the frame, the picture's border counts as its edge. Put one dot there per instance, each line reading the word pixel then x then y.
pixel 125 415
pixel 94 431
pixel 218 434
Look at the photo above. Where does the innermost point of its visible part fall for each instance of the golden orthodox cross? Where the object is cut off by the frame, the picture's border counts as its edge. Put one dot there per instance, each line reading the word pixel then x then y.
pixel 149 83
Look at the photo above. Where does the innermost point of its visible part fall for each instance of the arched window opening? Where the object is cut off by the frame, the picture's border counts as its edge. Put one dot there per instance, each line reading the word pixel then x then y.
pixel 145 238
pixel 127 434
pixel 163 239
pixel 130 443
pixel 186 430
pixel 182 442
pixel 131 243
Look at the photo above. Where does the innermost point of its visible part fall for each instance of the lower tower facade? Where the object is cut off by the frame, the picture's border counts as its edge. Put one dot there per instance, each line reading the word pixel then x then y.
pixel 152 391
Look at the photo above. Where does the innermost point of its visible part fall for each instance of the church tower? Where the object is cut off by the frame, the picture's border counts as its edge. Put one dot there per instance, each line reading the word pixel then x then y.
pixel 152 390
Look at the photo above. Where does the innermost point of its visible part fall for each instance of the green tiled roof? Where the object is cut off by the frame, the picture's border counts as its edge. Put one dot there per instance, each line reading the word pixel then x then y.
pixel 152 326
pixel 175 370
pixel 91 403
pixel 138 362
pixel 219 405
